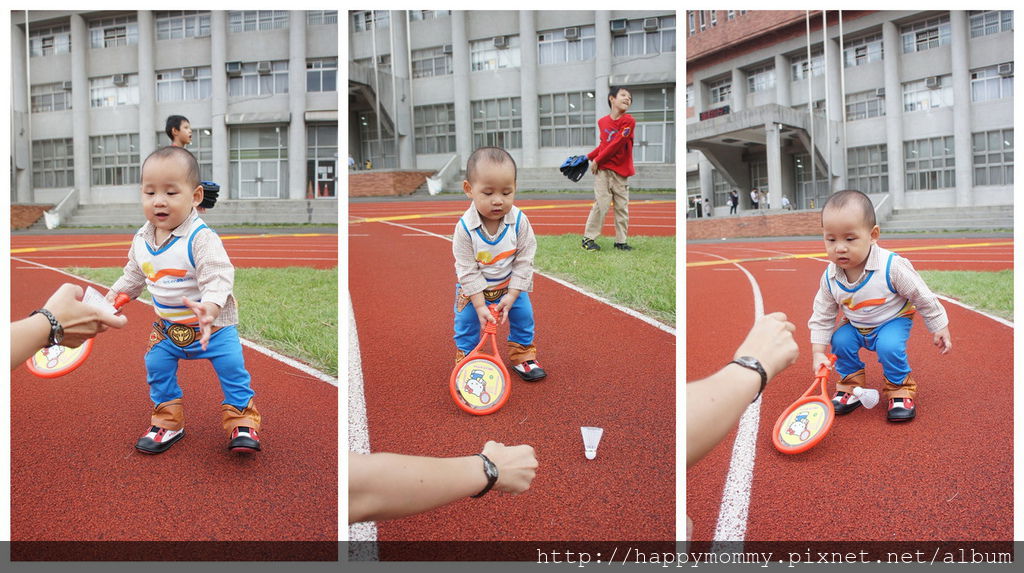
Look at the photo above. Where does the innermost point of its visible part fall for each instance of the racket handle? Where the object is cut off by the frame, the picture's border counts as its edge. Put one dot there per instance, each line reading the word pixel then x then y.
pixel 824 369
pixel 121 300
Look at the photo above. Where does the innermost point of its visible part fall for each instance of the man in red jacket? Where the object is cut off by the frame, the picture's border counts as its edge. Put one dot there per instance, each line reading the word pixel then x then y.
pixel 611 163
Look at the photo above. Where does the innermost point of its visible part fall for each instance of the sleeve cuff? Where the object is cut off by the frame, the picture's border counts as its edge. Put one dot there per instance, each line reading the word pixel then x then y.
pixel 821 337
pixel 521 284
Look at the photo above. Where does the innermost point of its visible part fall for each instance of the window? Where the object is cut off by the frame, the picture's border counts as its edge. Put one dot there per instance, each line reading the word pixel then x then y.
pixel 714 17
pixel 986 22
pixel 484 56
pixel 803 69
pixel 322 75
pixel 53 163
pixel 758 175
pixel 105 92
pixel 253 83
pixel 435 128
pixel 362 21
pixel 761 78
pixel 258 158
pixel 49 41
pixel 182 24
pixel 567 119
pixel 703 20
pixel 497 122
pixel 383 63
pixel 863 50
pixel 691 21
pixel 171 85
pixel 867 169
pixel 720 91
pixel 930 163
pixel 993 157
pixel 812 189
pixel 379 148
pixel 431 62
pixel 321 159
pixel 201 147
pixel 415 15
pixel 112 32
pixel 50 97
pixel 925 34
pixel 554 48
pixel 863 105
pixel 730 14
pixel 720 189
pixel 988 84
pixel 928 93
pixel 320 17
pixel 114 159
pixel 689 96
pixel 638 42
pixel 257 20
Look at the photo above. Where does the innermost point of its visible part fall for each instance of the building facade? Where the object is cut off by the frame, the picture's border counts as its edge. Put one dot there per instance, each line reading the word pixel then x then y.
pixel 91 91
pixel 429 86
pixel 914 104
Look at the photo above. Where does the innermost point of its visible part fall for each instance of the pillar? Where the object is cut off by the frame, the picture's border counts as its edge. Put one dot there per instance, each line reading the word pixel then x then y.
pixel 297 105
pixel 528 88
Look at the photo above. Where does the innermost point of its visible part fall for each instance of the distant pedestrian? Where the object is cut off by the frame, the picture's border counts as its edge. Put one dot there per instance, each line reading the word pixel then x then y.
pixel 734 201
pixel 707 207
pixel 754 199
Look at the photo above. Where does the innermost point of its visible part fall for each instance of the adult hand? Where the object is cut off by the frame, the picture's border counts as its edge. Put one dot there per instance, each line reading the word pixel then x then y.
pixel 517 466
pixel 593 167
pixel 771 342
pixel 80 321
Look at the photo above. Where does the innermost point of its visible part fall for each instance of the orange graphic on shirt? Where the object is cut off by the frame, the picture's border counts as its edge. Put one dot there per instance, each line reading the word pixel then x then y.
pixel 848 303
pixel 148 270
pixel 485 258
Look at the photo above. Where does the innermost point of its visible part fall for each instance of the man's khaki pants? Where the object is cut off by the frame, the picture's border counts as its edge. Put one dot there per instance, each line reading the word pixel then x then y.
pixel 609 189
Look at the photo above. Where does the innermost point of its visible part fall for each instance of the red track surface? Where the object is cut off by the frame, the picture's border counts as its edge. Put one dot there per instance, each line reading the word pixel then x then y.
pixel 75 474
pixel 605 369
pixel 547 217
pixel 948 475
pixel 268 250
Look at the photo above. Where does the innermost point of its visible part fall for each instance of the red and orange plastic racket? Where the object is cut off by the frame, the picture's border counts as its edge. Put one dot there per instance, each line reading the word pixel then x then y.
pixel 58 360
pixel 807 420
pixel 479 383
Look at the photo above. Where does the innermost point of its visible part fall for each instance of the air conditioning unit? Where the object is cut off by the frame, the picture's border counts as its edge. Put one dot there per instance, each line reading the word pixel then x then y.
pixel 264 68
pixel 501 42
pixel 880 92
pixel 650 24
pixel 619 27
pixel 234 69
pixel 188 74
pixel 933 82
pixel 66 86
pixel 120 79
pixel 446 49
pixel 1006 70
pixel 572 34
pixel 382 60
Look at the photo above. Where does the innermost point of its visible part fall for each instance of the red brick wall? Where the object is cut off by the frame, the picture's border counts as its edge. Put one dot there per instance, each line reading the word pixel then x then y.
pixel 776 225
pixel 385 183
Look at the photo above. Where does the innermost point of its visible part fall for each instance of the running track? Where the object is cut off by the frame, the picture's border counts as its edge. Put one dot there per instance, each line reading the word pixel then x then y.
pixel 75 474
pixel 605 369
pixel 948 475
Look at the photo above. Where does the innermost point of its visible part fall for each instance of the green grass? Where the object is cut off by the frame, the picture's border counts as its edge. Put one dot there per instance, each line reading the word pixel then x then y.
pixel 291 310
pixel 643 279
pixel 988 291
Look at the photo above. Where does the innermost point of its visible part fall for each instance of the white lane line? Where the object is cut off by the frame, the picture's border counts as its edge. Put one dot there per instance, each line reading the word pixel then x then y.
pixel 358 424
pixel 735 507
pixel 245 342
pixel 570 286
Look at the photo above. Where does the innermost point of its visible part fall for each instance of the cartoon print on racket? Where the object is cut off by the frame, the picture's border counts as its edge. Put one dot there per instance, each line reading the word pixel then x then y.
pixel 807 420
pixel 58 360
pixel 479 383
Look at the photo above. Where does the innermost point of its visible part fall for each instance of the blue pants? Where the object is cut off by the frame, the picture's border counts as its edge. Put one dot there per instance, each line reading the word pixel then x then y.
pixel 520 319
pixel 889 341
pixel 224 351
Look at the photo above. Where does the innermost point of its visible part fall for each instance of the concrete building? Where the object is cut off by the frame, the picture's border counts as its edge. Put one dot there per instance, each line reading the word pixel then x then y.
pixel 426 87
pixel 91 91
pixel 913 105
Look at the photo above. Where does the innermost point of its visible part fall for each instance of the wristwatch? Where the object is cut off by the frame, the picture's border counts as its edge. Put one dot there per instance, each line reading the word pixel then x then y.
pixel 491 471
pixel 56 330
pixel 755 365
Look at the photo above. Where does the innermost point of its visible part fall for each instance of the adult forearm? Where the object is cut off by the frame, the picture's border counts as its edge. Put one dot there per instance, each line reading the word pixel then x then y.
pixel 714 405
pixel 28 336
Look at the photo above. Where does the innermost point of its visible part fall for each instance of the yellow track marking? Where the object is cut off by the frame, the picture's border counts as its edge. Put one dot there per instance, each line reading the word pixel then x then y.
pixel 356 220
pixel 822 255
pixel 129 242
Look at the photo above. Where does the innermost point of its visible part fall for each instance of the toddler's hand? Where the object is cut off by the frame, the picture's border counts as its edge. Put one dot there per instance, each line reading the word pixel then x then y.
pixel 504 306
pixel 205 314
pixel 942 340
pixel 484 314
pixel 818 360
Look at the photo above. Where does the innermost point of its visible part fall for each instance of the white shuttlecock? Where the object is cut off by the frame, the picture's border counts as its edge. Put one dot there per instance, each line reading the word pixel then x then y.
pixel 867 396
pixel 591 438
pixel 93 298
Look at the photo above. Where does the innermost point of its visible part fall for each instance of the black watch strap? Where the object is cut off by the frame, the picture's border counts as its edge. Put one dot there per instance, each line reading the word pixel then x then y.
pixel 491 471
pixel 56 330
pixel 755 365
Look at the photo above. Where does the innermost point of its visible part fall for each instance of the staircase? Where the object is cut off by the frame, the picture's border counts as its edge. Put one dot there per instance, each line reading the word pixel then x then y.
pixel 988 218
pixel 226 213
